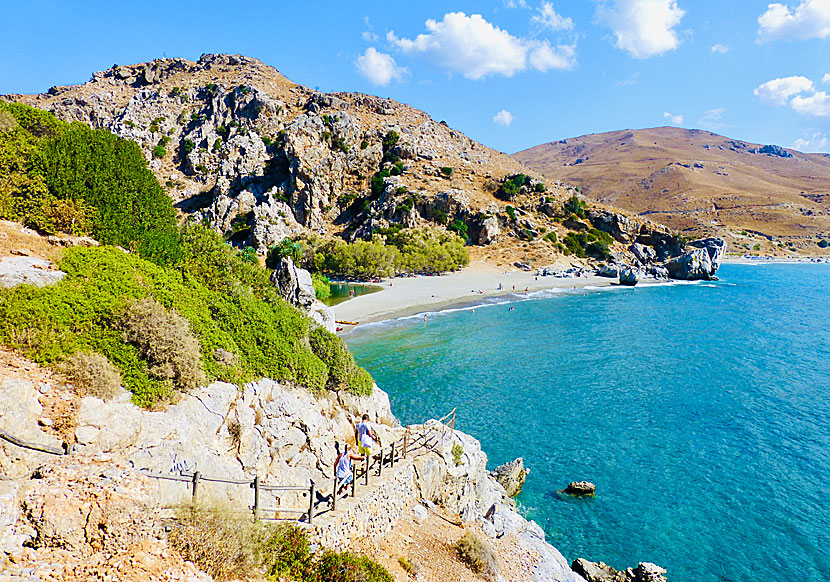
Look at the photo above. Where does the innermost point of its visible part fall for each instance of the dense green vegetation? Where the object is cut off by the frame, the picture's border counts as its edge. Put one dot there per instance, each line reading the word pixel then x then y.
pixel 162 310
pixel 59 177
pixel 390 252
pixel 229 304
pixel 575 205
pixel 229 547
pixel 593 243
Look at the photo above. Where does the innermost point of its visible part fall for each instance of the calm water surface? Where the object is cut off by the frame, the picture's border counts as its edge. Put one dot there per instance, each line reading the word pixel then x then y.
pixel 700 411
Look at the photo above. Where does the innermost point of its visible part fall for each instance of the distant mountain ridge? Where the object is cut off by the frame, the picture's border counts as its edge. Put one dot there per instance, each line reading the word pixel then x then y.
pixel 696 181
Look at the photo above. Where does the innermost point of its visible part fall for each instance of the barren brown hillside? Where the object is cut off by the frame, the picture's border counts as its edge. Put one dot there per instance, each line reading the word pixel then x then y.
pixel 696 180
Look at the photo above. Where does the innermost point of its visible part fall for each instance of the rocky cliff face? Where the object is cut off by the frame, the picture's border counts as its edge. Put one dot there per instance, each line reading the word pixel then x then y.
pixel 83 514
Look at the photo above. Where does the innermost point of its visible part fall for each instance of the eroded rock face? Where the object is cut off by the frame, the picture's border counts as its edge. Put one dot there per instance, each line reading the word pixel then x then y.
pixel 489 231
pixel 629 276
pixel 511 476
pixel 602 572
pixel 611 270
pixel 295 284
pixel 693 265
pixel 715 247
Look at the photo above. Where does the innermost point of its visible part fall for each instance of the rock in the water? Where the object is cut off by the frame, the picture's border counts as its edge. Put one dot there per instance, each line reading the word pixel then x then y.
pixel 602 572
pixel 580 488
pixel 691 266
pixel 295 284
pixel 629 276
pixel 715 248
pixel 511 476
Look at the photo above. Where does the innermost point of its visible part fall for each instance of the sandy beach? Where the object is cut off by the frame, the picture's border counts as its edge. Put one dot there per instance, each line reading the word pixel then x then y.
pixel 411 295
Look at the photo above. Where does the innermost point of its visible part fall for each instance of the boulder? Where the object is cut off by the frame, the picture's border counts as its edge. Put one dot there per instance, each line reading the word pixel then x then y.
pixel 522 266
pixel 693 265
pixel 580 488
pixel 629 276
pixel 511 476
pixel 617 225
pixel 602 572
pixel 16 271
pixel 611 270
pixel 295 284
pixel 715 247
pixel 489 230
pixel 574 223
pixel 644 254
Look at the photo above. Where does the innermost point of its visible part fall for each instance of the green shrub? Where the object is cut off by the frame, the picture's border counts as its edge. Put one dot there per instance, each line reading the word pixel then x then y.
pixel 7 121
pixel 539 187
pixel 457 451
pixel 511 212
pixel 285 248
pixel 322 286
pixel 377 183
pixel 60 177
pixel 439 217
pixel 459 228
pixel 823 244
pixel 551 237
pixel 187 147
pixel 248 254
pixel 593 243
pixel 164 340
pixel 447 171
pixel 349 567
pixel 575 205
pixel 92 375
pixel 159 152
pixel 364 144
pixel 477 553
pixel 342 370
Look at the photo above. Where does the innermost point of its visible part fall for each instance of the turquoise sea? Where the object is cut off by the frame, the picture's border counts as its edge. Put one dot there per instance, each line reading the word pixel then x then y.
pixel 701 412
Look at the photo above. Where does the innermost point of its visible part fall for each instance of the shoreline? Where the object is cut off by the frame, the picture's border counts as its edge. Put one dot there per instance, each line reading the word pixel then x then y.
pixel 466 288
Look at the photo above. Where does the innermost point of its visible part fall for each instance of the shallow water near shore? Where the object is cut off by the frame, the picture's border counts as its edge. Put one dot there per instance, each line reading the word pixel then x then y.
pixel 700 411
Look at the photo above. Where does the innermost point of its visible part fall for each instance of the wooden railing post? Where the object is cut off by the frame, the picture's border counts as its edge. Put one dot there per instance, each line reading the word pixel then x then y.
pixel 354 477
pixel 452 426
pixel 380 463
pixel 196 476
pixel 405 441
pixel 334 494
pixel 366 473
pixel 393 454
pixel 255 485
pixel 311 502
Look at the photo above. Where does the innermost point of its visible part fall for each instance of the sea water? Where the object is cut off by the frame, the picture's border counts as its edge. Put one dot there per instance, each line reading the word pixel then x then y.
pixel 700 411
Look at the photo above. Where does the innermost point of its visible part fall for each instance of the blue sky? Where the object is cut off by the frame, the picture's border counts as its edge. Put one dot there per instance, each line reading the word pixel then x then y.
pixel 509 73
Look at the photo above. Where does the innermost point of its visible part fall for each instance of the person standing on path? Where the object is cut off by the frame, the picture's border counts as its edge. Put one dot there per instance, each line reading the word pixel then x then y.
pixel 366 437
pixel 343 468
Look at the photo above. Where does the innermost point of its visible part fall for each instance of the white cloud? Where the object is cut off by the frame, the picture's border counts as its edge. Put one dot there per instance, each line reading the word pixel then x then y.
pixel 473 47
pixel 817 104
pixel 814 143
pixel 516 4
pixel 642 28
pixel 712 119
pixel 721 49
pixel 674 119
pixel 503 117
pixel 779 91
pixel 370 36
pixel 378 67
pixel 810 19
pixel 826 78
pixel 549 18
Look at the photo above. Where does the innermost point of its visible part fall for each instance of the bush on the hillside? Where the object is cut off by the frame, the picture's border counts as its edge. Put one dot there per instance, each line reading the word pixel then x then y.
pixel 343 372
pixel 593 243
pixel 447 171
pixel 477 553
pixel 322 286
pixel 823 244
pixel 222 542
pixel 165 341
pixel 228 546
pixel 286 248
pixel 575 205
pixel 92 375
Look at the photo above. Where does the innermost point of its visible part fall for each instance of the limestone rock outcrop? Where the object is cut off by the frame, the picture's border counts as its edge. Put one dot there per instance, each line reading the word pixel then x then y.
pixel 702 262
pixel 602 572
pixel 580 488
pixel 297 287
pixel 511 476
pixel 16 271
pixel 629 276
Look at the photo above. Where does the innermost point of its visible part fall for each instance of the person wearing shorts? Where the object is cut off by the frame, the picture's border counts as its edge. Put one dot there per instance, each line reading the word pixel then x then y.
pixel 366 437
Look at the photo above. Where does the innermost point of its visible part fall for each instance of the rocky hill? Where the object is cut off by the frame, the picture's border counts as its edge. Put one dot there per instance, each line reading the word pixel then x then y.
pixel 259 158
pixel 699 182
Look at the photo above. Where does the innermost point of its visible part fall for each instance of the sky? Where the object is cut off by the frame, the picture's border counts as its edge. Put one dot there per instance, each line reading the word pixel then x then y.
pixel 511 74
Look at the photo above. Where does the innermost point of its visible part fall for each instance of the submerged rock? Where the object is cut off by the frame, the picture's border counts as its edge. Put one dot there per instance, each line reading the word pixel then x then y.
pixel 580 488
pixel 511 476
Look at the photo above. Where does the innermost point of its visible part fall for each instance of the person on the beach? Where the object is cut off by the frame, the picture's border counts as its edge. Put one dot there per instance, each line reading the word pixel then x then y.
pixel 366 437
pixel 343 468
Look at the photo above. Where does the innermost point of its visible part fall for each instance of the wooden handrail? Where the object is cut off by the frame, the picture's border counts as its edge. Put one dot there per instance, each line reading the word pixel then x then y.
pixel 67 449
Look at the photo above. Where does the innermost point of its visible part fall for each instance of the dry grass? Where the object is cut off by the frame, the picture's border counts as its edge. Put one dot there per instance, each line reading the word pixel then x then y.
pixel 92 375
pixel 7 122
pixel 221 542
pixel 165 341
pixel 477 553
